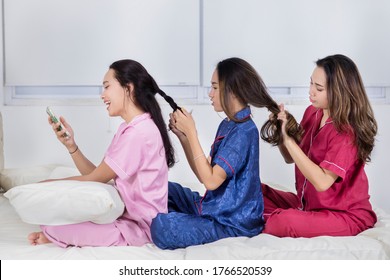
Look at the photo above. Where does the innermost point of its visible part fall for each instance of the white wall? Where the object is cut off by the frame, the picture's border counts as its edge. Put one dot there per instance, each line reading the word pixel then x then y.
pixel 28 139
pixel 282 38
pixel 68 42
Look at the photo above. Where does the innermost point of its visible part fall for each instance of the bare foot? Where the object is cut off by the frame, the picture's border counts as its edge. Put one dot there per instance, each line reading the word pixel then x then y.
pixel 36 238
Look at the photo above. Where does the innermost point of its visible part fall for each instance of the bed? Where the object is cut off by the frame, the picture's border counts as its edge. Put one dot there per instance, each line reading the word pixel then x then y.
pixel 372 244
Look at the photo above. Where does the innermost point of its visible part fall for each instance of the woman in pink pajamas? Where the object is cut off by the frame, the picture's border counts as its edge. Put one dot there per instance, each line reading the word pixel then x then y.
pixel 339 134
pixel 137 160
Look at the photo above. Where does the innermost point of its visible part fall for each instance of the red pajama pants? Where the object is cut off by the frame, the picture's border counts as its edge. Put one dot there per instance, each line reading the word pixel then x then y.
pixel 284 219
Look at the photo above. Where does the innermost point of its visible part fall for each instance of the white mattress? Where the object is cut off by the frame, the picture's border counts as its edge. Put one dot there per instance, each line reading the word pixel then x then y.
pixel 371 244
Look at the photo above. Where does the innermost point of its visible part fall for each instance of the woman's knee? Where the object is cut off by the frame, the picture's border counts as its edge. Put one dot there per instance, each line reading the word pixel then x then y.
pixel 159 231
pixel 280 223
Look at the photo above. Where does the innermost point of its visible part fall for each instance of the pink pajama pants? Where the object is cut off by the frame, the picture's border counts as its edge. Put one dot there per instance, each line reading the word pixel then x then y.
pixel 85 234
pixel 284 219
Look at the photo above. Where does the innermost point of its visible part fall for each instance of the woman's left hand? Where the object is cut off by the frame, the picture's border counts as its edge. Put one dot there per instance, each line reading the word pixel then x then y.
pixel 184 121
pixel 173 128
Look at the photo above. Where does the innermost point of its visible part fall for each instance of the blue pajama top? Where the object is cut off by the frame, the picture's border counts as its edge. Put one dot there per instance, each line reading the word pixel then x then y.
pixel 238 202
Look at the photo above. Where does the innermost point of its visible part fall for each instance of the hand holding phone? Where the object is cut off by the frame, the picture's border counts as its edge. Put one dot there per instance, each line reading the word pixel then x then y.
pixel 54 119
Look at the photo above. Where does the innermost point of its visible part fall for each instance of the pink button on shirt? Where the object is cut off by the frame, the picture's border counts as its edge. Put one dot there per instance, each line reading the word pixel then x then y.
pixel 137 156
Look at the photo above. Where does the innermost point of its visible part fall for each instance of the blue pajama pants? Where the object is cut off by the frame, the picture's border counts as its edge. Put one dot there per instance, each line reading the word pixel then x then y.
pixel 183 226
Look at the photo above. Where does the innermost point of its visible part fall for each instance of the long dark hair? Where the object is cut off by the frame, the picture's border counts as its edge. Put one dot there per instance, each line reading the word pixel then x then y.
pixel 236 76
pixel 348 103
pixel 145 88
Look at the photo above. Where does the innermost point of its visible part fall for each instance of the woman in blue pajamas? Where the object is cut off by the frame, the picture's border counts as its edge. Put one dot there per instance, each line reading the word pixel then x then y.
pixel 233 202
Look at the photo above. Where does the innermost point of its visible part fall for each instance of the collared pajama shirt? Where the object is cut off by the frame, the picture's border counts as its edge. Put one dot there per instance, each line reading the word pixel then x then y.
pixel 238 201
pixel 235 208
pixel 336 152
pixel 344 208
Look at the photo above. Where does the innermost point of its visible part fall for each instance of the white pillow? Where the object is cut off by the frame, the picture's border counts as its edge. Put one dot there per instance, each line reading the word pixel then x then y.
pixel 12 177
pixel 66 202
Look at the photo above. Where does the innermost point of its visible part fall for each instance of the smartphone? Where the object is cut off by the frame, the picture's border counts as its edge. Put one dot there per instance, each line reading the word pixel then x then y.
pixel 54 119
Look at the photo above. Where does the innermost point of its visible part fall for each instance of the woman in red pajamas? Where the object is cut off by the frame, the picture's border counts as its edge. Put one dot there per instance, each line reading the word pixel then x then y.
pixel 339 134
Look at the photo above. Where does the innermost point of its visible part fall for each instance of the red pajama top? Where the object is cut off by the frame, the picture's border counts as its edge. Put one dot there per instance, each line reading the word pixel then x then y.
pixel 336 152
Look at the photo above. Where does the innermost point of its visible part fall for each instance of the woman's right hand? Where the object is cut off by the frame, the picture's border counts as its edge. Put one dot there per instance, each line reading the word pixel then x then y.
pixel 67 141
pixel 282 116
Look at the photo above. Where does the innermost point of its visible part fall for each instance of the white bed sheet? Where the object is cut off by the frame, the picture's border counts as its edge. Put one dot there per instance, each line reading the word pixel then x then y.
pixel 371 244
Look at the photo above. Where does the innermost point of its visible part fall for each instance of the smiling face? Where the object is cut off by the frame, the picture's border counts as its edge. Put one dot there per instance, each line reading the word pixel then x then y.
pixel 318 89
pixel 214 93
pixel 113 94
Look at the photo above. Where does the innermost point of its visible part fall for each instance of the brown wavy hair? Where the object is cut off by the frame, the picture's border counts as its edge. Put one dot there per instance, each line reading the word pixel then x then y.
pixel 348 104
pixel 236 76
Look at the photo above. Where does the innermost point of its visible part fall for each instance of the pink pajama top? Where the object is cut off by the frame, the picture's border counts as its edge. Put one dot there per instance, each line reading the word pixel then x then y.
pixel 137 156
pixel 336 152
